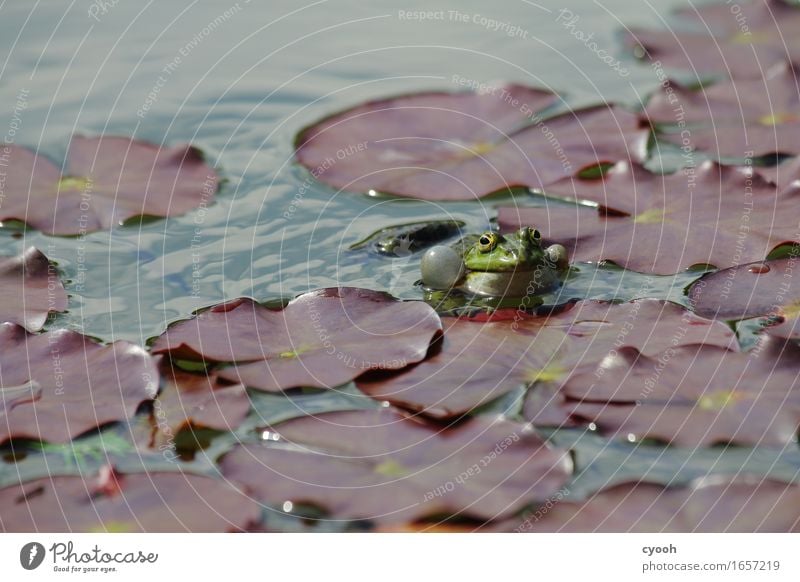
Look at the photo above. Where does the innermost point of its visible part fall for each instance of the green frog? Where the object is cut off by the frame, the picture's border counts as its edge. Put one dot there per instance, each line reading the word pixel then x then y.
pixel 496 265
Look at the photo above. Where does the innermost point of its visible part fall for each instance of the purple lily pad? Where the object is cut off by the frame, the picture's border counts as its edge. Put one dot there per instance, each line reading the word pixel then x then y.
pixel 60 384
pixel 750 290
pixel 718 215
pixel 738 119
pixel 462 146
pixel 197 400
pixel 785 175
pixel 740 45
pixel 694 396
pixel 377 465
pixel 745 504
pixel 720 18
pixel 107 180
pixel 140 502
pixel 477 362
pixel 30 290
pixel 321 339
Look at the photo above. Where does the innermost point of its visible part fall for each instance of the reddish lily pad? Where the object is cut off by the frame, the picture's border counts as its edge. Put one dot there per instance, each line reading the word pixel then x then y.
pixel 744 504
pixel 718 215
pixel 462 146
pixel 141 502
pixel 57 385
pixel 720 18
pixel 751 290
pixel 321 339
pixel 475 363
pixel 694 396
pixel 736 119
pixel 377 465
pixel 107 180
pixel 198 400
pixel 30 289
pixel 722 45
pixel 785 175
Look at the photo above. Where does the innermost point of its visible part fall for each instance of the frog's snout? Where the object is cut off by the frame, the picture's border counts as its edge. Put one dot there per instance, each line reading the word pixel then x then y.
pixel 441 267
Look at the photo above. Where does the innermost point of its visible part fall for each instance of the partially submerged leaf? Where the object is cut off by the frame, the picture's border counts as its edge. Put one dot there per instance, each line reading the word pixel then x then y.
pixel 57 385
pixel 463 146
pixel 601 463
pixel 113 502
pixel 321 339
pixel 106 181
pixel 379 466
pixel 30 290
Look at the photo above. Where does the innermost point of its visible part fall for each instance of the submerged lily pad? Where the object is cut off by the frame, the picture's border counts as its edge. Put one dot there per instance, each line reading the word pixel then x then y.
pixel 694 396
pixel 57 385
pixel 402 240
pixel 462 146
pixel 379 466
pixel 714 215
pixel 601 463
pixel 738 119
pixel 22 461
pixel 113 502
pixel 30 290
pixel 474 363
pixel 106 181
pixel 321 339
pixel 745 504
pixel 740 44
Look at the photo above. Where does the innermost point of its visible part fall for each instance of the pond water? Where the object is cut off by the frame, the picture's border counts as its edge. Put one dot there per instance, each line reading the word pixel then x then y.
pixel 239 80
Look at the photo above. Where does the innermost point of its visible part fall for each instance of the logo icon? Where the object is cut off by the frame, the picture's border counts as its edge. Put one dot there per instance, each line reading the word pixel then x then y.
pixel 31 555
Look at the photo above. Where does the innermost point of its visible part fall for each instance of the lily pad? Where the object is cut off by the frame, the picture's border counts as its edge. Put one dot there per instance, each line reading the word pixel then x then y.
pixel 321 339
pixel 379 466
pixel 107 180
pixel 113 502
pixel 474 363
pixel 22 461
pixel 717 215
pixel 722 45
pixel 751 290
pixel 60 384
pixel 694 396
pixel 198 401
pixel 271 409
pixel 739 119
pixel 784 174
pixel 30 290
pixel 463 146
pixel 745 504
pixel 402 240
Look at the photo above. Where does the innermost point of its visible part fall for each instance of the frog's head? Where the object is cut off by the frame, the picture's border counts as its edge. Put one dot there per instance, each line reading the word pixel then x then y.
pixel 521 250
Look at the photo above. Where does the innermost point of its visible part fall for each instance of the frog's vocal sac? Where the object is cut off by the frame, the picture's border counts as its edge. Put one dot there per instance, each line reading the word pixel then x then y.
pixel 496 265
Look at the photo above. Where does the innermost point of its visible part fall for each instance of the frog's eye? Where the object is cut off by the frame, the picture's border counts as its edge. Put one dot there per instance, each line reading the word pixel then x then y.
pixel 536 236
pixel 487 242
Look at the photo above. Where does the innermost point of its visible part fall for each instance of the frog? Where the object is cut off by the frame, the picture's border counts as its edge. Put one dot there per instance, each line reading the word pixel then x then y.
pixel 516 264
